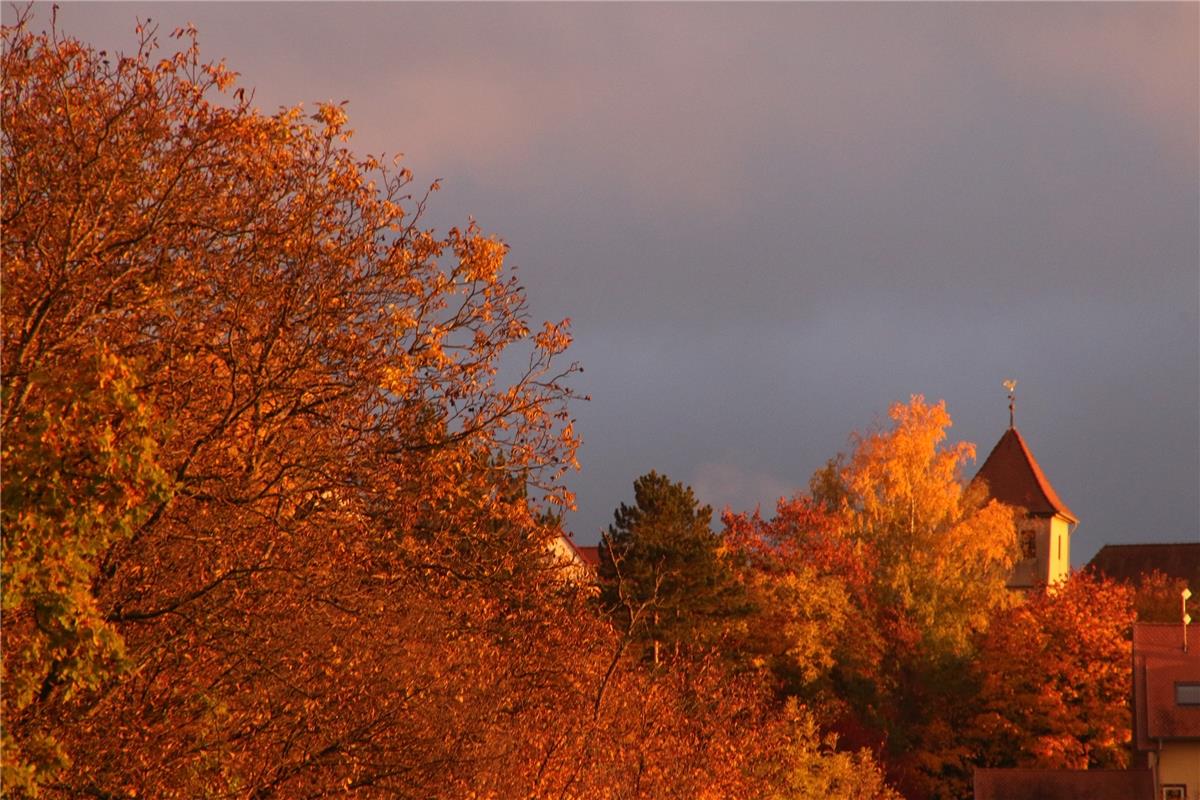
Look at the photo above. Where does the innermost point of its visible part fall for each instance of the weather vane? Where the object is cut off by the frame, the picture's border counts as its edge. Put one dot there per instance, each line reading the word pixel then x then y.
pixel 1011 385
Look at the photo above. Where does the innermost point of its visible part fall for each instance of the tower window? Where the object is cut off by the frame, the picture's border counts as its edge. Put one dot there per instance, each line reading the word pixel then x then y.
pixel 1187 694
pixel 1028 543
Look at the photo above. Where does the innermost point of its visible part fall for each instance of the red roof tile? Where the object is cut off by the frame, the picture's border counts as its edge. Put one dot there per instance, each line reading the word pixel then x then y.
pixel 1159 662
pixel 1130 562
pixel 589 555
pixel 1014 477
pixel 1064 784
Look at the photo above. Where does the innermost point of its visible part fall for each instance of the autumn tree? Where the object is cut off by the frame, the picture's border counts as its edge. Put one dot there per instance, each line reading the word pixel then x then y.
pixel 661 570
pixel 267 527
pixel 945 551
pixel 258 532
pixel 807 584
pixel 813 765
pixel 696 728
pixel 1054 676
pixel 869 590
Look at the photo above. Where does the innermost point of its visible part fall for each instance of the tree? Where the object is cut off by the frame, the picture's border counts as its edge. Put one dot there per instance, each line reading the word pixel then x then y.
pixel 877 583
pixel 944 552
pixel 814 767
pixel 272 543
pixel 943 557
pixel 80 473
pixel 1054 675
pixel 808 585
pixel 661 569
pixel 1157 597
pixel 267 530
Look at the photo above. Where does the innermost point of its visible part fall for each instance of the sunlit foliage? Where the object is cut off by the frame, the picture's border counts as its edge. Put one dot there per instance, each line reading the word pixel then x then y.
pixel 867 594
pixel 252 432
pixel 274 524
pixel 944 552
pixel 808 583
pixel 1055 679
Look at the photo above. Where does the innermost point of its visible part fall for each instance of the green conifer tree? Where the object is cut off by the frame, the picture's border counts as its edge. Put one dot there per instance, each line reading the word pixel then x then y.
pixel 662 572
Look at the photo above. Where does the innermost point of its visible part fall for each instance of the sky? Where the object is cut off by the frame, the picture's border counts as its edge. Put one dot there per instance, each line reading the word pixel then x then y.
pixel 768 222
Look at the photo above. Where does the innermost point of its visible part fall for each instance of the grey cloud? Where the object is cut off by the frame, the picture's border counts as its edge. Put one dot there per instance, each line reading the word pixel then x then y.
pixel 768 221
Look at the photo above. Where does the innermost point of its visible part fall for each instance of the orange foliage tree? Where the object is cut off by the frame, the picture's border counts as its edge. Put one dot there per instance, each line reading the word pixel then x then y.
pixel 258 461
pixel 267 518
pixel 1054 674
pixel 869 592
pixel 815 625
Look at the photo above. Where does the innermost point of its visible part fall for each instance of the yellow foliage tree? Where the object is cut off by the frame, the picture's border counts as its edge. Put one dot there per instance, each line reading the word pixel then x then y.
pixel 944 552
pixel 940 557
pixel 80 475
pixel 814 767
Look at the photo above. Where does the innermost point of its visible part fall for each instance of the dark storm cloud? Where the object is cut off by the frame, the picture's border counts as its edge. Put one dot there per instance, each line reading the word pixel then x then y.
pixel 769 221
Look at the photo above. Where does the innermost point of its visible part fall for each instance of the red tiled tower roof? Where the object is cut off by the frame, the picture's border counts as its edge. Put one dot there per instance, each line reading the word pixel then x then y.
pixel 1013 477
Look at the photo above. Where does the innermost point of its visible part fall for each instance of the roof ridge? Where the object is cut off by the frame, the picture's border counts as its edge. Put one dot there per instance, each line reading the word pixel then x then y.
pixel 1042 481
pixel 1014 477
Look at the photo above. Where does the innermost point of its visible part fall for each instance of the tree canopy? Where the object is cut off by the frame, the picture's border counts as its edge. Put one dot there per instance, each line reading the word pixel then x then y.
pixel 282 469
pixel 1055 680
pixel 944 551
pixel 868 594
pixel 661 568
pixel 271 452
pixel 252 424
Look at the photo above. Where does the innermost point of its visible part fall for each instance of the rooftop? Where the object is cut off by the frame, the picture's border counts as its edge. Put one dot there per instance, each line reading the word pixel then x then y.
pixel 1160 663
pixel 1013 477
pixel 1064 784
pixel 1130 562
pixel 589 555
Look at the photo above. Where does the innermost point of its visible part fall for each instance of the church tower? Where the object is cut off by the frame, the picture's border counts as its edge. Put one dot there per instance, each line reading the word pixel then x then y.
pixel 1013 477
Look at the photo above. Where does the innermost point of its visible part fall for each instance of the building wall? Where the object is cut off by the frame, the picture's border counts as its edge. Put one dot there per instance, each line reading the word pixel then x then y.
pixel 566 558
pixel 1052 560
pixel 1058 549
pixel 1179 763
